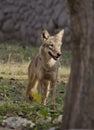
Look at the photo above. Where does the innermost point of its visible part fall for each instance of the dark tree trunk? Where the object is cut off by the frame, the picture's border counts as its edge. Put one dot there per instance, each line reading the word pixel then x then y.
pixel 79 101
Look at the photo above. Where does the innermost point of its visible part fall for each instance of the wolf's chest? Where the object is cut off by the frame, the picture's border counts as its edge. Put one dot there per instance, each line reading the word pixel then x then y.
pixel 51 62
pixel 48 71
pixel 49 75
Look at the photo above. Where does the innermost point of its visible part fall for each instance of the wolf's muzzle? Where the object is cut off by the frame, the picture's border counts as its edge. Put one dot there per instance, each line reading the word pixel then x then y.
pixel 53 56
pixel 58 55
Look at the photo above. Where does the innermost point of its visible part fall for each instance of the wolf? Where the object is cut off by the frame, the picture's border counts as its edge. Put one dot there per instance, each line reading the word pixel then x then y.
pixel 43 69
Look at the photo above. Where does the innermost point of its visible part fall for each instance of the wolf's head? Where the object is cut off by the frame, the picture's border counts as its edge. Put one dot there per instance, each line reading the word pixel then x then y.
pixel 51 45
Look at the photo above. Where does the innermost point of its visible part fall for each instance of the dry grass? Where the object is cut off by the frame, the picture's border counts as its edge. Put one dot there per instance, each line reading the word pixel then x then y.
pixel 14 70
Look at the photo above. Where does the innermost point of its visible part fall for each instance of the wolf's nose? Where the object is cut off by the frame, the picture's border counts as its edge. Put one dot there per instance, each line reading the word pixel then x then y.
pixel 58 54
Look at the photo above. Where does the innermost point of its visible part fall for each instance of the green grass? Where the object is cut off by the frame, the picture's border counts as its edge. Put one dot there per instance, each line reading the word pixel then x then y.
pixel 14 61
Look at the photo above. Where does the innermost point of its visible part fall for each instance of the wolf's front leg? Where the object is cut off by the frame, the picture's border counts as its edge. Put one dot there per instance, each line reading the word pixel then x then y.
pixel 46 87
pixel 53 94
pixel 32 84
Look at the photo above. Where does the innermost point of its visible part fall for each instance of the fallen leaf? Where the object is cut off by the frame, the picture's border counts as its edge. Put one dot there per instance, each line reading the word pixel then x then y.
pixel 36 96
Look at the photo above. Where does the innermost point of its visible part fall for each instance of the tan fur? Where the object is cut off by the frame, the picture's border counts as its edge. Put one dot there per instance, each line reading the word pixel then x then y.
pixel 43 68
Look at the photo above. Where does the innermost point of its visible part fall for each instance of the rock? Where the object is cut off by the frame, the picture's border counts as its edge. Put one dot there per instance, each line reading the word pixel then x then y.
pixel 55 2
pixel 40 2
pixel 48 119
pixel 27 14
pixel 48 3
pixel 53 128
pixel 38 25
pixel 16 17
pixel 1 36
pixel 17 122
pixel 57 120
pixel 20 18
pixel 39 9
pixel 6 128
pixel 68 39
pixel 51 25
pixel 8 26
pixel 1 15
pixel 10 1
pixel 62 20
pixel 57 11
pixel 67 31
pixel 10 9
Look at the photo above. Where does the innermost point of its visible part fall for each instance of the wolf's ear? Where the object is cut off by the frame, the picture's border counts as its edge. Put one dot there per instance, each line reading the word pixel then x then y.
pixel 45 35
pixel 60 34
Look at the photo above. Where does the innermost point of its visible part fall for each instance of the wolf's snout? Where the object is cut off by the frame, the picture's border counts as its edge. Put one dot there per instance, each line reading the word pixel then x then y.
pixel 58 54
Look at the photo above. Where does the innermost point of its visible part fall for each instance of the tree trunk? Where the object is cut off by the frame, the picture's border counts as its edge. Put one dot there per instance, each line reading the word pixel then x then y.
pixel 79 101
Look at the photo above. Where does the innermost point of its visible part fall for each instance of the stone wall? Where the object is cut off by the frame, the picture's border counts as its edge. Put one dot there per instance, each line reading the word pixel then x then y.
pixel 24 19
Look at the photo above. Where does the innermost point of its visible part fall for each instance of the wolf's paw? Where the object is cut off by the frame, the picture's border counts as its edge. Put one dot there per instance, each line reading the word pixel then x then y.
pixel 30 98
pixel 52 108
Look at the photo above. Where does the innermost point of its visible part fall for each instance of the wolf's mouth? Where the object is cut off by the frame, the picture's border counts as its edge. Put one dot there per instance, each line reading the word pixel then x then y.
pixel 54 57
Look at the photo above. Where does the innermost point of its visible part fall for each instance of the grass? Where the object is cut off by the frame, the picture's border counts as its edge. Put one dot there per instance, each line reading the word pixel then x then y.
pixel 14 61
